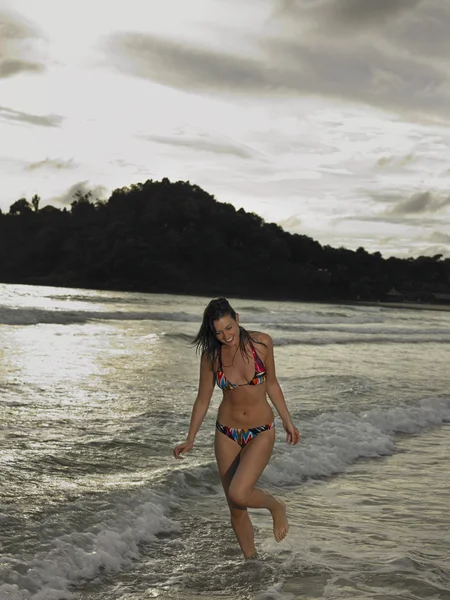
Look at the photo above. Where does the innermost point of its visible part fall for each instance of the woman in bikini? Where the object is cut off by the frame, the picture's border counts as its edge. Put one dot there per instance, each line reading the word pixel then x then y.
pixel 242 364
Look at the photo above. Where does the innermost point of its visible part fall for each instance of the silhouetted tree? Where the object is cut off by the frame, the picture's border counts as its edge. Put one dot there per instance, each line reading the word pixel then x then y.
pixel 164 236
pixel 35 200
pixel 20 207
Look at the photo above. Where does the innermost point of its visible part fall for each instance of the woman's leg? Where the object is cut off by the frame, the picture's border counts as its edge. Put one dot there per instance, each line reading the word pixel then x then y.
pixel 228 456
pixel 253 460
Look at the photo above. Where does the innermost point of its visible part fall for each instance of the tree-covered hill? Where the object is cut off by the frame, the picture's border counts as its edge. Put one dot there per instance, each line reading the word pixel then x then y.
pixel 160 236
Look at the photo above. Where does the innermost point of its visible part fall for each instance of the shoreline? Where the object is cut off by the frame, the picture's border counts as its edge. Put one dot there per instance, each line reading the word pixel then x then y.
pixel 407 305
pixel 202 294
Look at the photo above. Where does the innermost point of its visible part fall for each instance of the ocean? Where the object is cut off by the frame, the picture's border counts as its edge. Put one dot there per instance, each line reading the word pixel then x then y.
pixel 96 389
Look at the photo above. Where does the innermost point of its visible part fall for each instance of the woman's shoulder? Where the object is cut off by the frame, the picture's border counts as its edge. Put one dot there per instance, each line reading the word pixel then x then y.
pixel 261 337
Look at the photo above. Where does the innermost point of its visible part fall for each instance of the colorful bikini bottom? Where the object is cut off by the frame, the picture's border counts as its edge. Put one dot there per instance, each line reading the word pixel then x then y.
pixel 242 436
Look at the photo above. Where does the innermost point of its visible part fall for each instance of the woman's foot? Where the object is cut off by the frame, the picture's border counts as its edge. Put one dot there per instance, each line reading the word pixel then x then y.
pixel 280 522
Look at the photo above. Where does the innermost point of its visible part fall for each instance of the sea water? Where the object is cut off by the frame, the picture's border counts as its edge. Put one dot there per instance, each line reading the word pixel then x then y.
pixel 96 389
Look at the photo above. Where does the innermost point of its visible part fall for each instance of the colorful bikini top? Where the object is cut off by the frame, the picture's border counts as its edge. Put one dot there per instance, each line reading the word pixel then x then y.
pixel 259 376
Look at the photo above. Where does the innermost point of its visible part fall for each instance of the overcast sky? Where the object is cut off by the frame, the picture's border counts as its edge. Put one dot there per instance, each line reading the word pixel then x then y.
pixel 329 117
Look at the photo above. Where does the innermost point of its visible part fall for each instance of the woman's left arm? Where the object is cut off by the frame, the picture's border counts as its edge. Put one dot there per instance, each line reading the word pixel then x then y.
pixel 275 392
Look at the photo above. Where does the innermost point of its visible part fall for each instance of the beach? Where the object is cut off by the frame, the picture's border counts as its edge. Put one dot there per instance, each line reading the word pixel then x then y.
pixel 97 387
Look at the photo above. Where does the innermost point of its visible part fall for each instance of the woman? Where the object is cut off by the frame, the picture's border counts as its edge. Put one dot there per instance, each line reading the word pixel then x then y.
pixel 242 365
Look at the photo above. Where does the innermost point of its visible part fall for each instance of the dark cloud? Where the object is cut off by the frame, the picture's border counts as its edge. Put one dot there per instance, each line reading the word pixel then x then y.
pixel 421 203
pixel 204 144
pixel 98 191
pixel 419 221
pixel 424 33
pixel 395 161
pixel 419 209
pixel 439 238
pixel 45 121
pixel 17 51
pixel 372 69
pixel 424 210
pixel 371 74
pixel 181 66
pixel 343 16
pixel 51 163
pixel 360 13
pixel 390 54
pixel 9 67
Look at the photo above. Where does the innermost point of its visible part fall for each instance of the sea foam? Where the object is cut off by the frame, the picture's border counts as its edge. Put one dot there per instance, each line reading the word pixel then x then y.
pixel 333 441
pixel 330 443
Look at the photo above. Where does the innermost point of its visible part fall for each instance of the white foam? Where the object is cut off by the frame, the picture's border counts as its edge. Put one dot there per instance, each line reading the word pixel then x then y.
pixel 355 337
pixel 274 593
pixel 377 330
pixel 79 556
pixel 33 316
pixel 300 317
pixel 332 441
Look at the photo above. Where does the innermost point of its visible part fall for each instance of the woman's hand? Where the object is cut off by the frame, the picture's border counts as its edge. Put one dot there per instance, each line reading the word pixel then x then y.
pixel 182 448
pixel 292 433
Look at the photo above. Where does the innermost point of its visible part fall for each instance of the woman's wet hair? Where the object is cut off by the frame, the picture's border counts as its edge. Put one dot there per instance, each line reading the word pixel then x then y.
pixel 206 341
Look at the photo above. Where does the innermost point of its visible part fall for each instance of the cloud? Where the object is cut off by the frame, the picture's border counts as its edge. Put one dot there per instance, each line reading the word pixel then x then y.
pixel 425 32
pixel 183 66
pixel 291 223
pixel 395 161
pixel 9 67
pixel 354 50
pixel 204 143
pixel 391 54
pixel 430 251
pixel 439 238
pixel 369 74
pixel 420 212
pixel 9 114
pixel 360 13
pixel 52 163
pixel 121 162
pixel 17 52
pixel 420 203
pixel 389 197
pixel 98 191
pixel 344 16
pixel 401 220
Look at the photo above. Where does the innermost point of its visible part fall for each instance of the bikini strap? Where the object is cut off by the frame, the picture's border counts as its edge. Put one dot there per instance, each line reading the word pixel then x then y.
pixel 253 349
pixel 256 357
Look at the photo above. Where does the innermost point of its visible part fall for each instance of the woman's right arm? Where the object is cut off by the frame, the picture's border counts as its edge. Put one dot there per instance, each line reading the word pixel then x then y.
pixel 200 408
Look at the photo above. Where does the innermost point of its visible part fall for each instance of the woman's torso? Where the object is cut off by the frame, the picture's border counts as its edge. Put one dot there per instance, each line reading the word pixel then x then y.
pixel 242 377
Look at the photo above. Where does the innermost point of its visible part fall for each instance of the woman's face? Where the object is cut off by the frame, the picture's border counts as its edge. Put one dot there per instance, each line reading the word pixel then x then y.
pixel 227 330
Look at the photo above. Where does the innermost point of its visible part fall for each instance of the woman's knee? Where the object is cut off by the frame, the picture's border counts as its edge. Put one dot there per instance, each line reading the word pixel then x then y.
pixel 238 495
